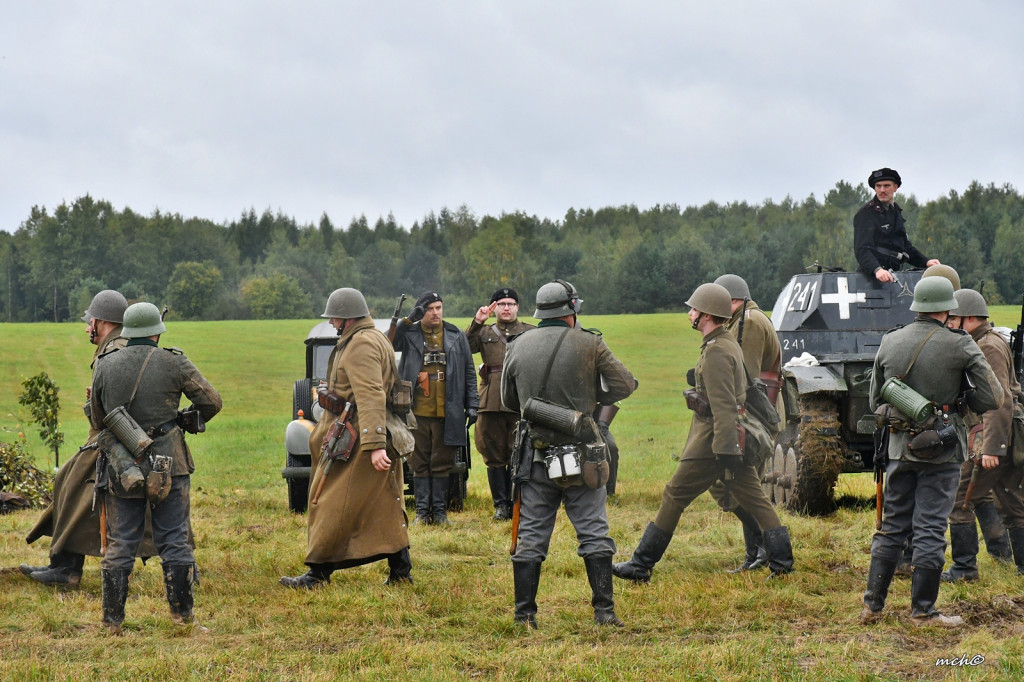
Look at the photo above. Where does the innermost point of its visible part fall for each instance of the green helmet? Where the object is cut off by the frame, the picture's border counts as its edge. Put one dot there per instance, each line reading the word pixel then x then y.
pixel 735 285
pixel 969 303
pixel 346 303
pixel 108 305
pixel 557 299
pixel 941 270
pixel 713 299
pixel 933 295
pixel 142 320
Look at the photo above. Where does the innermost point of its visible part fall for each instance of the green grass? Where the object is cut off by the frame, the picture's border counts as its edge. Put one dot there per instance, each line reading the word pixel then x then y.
pixel 693 621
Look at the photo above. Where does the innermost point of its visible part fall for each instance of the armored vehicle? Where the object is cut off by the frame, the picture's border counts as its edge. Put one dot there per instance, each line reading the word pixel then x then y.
pixel 830 325
pixel 306 412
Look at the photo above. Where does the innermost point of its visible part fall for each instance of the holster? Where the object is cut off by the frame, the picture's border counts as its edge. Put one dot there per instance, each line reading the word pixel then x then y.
pixel 698 402
pixel 340 441
pixel 423 380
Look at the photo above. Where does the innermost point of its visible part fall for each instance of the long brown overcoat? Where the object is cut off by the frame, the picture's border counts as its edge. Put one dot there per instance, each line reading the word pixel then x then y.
pixel 360 514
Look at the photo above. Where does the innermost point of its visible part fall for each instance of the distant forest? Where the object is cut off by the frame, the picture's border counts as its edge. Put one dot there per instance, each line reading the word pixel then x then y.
pixel 622 259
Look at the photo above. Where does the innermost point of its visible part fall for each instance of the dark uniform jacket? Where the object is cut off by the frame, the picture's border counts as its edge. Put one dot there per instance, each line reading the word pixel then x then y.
pixel 460 380
pixel 167 377
pixel 997 424
pixel 936 374
pixel 491 341
pixel 720 376
pixel 879 234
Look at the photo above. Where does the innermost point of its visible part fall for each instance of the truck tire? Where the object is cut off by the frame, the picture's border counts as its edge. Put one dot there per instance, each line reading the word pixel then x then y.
pixel 296 475
pixel 809 457
pixel 302 400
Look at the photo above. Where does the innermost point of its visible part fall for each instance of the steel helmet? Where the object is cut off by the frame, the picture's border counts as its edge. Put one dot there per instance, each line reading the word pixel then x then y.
pixel 346 303
pixel 108 305
pixel 713 299
pixel 941 270
pixel 735 285
pixel 933 295
pixel 557 299
pixel 142 320
pixel 969 303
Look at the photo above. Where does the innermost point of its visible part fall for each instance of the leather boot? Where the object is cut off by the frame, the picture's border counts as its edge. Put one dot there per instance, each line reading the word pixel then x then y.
pixel 924 590
pixel 963 541
pixel 1017 542
pixel 439 500
pixel 648 552
pixel 779 549
pixel 599 574
pixel 65 570
pixel 526 578
pixel 421 493
pixel 500 482
pixel 880 575
pixel 316 576
pixel 997 539
pixel 399 568
pixel 28 569
pixel 756 556
pixel 115 594
pixel 180 595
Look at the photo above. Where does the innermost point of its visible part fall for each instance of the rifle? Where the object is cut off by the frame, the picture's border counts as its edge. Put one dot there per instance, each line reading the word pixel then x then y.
pixel 1017 344
pixel 394 318
pixel 517 492
pixel 743 318
pixel 881 438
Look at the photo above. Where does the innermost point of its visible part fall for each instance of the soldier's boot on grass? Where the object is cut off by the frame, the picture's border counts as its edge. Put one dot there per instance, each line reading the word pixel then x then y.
pixel 421 495
pixel 316 576
pixel 115 594
pixel 399 568
pixel 526 579
pixel 756 557
pixel 1017 542
pixel 880 575
pixel 599 574
pixel 439 500
pixel 780 551
pixel 178 582
pixel 500 482
pixel 65 570
pixel 963 541
pixel 648 552
pixel 997 538
pixel 924 590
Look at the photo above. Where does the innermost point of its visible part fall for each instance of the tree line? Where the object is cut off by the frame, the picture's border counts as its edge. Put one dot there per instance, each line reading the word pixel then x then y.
pixel 622 259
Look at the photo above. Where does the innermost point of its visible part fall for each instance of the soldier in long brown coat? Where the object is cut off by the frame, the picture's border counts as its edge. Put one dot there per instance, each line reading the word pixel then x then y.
pixel 356 511
pixel 496 425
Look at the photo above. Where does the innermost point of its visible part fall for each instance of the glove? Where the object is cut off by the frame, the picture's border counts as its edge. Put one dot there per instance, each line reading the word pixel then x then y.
pixel 417 314
pixel 471 416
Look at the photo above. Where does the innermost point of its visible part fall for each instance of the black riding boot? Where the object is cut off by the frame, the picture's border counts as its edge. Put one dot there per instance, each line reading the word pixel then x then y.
pixel 400 568
pixel 880 575
pixel 963 541
pixel 1017 542
pixel 439 500
pixel 526 578
pixel 924 590
pixel 421 493
pixel 648 552
pixel 115 594
pixel 756 556
pixel 997 539
pixel 779 549
pixel 500 482
pixel 599 574
pixel 65 569
pixel 317 575
pixel 178 581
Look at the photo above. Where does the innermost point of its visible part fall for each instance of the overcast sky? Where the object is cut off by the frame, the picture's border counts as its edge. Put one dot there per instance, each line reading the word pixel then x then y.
pixel 304 107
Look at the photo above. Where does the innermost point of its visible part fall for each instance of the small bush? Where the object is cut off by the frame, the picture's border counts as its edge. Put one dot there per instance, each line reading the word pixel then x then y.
pixel 18 475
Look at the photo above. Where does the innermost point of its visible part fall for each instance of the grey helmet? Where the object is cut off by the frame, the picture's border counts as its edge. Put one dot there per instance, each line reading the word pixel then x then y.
pixel 969 303
pixel 943 270
pixel 108 305
pixel 735 285
pixel 346 303
pixel 142 320
pixel 713 299
pixel 557 299
pixel 933 295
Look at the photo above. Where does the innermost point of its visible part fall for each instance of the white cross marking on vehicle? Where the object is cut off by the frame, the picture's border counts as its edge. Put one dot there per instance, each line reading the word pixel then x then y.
pixel 844 298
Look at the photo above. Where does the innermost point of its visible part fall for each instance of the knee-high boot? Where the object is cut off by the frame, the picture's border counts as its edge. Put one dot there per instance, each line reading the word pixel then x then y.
pixel 648 552
pixel 997 539
pixel 500 482
pixel 880 575
pixel 599 574
pixel 756 557
pixel 439 500
pixel 526 579
pixel 963 540
pixel 924 591
pixel 779 549
pixel 115 594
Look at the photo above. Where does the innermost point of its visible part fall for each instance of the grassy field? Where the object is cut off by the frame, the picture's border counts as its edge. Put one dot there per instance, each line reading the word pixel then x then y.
pixel 693 621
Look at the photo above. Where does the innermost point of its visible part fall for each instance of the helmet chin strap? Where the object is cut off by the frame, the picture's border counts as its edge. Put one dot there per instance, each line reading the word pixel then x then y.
pixel 696 320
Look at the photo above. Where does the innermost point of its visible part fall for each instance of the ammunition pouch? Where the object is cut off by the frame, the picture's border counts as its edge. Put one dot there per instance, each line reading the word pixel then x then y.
pixel 401 397
pixel 332 402
pixel 698 402
pixel 191 420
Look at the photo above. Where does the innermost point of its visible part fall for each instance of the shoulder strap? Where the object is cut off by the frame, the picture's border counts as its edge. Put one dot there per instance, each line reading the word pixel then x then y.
pixel 918 352
pixel 138 381
pixel 551 362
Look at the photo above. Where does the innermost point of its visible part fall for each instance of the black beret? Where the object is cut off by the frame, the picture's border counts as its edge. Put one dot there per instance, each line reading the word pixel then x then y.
pixel 884 174
pixel 427 298
pixel 507 292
